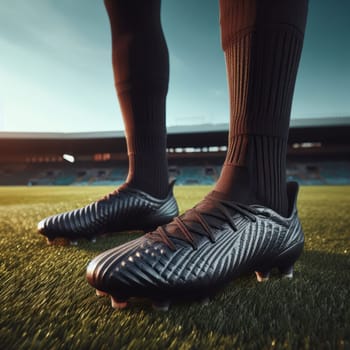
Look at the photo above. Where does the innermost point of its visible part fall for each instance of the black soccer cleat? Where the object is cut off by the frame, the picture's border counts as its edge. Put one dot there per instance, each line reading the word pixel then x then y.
pixel 199 252
pixel 122 210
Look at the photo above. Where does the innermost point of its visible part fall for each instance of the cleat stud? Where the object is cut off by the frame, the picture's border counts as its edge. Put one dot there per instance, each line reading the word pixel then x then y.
pixel 74 243
pixel 205 302
pixel 58 241
pixel 118 304
pixel 100 293
pixel 161 305
pixel 287 272
pixel 287 276
pixel 262 276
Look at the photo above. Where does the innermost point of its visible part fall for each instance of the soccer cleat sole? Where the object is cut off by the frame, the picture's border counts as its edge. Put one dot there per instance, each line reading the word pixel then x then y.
pixel 265 276
pixel 118 304
pixel 100 293
pixel 284 263
pixel 287 272
pixel 161 305
pixel 262 276
pixel 61 241
pixel 164 305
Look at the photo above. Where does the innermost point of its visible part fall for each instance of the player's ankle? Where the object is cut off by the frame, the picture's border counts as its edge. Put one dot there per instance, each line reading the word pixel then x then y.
pixel 151 185
pixel 248 186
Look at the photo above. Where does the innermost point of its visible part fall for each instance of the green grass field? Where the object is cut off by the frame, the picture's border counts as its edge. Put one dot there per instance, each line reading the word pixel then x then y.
pixel 45 302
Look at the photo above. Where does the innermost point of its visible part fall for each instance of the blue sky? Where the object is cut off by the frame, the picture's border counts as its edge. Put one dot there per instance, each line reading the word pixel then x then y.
pixel 56 73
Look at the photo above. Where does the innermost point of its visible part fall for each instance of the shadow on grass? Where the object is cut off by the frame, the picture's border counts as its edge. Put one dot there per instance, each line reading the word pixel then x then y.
pixel 107 242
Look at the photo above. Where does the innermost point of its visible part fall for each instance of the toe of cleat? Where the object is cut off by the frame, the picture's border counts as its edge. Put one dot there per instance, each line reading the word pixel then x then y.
pixel 118 304
pixel 161 305
pixel 100 293
pixel 262 276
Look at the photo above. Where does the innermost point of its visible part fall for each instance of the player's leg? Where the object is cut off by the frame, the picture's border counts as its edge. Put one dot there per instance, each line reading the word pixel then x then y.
pixel 141 74
pixel 141 71
pixel 249 222
pixel 262 41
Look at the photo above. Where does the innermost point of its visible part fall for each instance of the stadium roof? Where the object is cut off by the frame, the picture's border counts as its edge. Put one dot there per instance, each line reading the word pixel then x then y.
pixel 172 130
pixel 327 131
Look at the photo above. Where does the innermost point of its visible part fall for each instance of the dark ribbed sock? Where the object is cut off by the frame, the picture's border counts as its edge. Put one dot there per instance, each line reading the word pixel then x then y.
pixel 262 41
pixel 141 72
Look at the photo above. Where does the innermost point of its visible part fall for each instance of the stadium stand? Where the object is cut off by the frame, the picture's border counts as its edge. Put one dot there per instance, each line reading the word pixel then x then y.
pixel 321 173
pixel 318 153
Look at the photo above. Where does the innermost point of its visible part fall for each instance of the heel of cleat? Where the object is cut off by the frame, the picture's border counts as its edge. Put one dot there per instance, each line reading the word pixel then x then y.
pixel 100 293
pixel 118 304
pixel 161 305
pixel 262 276
pixel 286 261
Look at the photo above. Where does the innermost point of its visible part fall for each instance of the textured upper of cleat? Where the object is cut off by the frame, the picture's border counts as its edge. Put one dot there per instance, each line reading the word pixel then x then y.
pixel 178 265
pixel 124 209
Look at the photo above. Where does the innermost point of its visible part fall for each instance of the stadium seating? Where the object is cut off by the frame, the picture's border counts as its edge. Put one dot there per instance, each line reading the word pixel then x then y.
pixel 197 175
pixel 307 173
pixel 320 173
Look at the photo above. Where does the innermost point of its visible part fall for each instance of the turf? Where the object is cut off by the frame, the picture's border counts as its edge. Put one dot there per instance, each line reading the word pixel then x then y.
pixel 45 302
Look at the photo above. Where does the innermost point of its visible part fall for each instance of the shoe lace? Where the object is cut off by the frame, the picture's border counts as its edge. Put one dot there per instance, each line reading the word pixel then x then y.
pixel 184 226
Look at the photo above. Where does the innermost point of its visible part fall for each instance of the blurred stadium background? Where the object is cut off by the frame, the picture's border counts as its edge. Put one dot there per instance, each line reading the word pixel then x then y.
pixel 318 153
